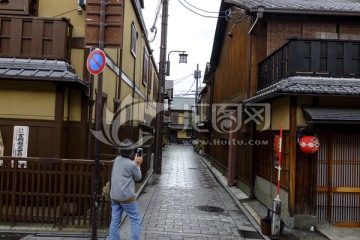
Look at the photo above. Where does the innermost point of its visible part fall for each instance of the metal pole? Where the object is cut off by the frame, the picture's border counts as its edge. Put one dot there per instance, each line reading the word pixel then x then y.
pixel 161 90
pixel 98 126
pixel 196 91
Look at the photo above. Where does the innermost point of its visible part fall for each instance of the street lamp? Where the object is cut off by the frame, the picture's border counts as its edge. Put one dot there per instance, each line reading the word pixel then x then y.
pixel 182 59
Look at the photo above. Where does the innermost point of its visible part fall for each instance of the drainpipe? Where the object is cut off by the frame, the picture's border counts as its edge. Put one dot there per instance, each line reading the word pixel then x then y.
pixel 259 15
pixel 260 11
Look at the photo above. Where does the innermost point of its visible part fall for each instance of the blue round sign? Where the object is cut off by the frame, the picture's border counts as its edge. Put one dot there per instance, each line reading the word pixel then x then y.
pixel 96 61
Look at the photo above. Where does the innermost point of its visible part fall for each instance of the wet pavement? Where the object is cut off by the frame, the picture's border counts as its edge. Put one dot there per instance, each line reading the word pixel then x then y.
pixel 190 200
pixel 187 202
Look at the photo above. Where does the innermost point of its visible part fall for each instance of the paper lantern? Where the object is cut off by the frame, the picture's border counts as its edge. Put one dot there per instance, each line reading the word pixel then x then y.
pixel 309 144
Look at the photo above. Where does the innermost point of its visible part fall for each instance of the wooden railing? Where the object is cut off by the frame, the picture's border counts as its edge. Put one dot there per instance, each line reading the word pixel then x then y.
pixel 33 37
pixel 310 57
pixel 53 191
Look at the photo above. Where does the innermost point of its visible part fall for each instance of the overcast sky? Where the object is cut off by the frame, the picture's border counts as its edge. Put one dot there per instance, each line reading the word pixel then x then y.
pixel 187 31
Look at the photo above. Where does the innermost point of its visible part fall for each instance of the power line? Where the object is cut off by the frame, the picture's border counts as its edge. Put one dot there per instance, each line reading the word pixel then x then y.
pixel 227 13
pixel 64 13
pixel 190 87
pixel 198 8
pixel 196 12
pixel 183 78
pixel 153 28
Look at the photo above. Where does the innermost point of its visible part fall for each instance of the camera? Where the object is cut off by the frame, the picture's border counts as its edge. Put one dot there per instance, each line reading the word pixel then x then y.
pixel 139 152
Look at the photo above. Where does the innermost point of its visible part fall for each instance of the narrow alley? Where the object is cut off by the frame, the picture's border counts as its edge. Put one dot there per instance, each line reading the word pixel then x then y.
pixel 186 202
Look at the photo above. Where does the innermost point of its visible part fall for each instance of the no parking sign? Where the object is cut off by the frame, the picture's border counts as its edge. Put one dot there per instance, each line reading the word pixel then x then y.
pixel 96 62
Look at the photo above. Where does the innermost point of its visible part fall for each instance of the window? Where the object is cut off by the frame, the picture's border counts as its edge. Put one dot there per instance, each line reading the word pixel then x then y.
pixel 155 87
pixel 145 75
pixel 174 117
pixel 150 74
pixel 134 37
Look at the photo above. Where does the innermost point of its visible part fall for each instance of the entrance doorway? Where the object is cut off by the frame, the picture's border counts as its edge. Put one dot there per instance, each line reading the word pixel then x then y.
pixel 338 179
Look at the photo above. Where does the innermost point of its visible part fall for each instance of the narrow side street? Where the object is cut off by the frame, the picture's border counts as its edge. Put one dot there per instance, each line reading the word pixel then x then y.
pixel 186 202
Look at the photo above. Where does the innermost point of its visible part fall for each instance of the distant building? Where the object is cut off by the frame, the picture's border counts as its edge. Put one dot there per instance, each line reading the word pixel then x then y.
pixel 181 117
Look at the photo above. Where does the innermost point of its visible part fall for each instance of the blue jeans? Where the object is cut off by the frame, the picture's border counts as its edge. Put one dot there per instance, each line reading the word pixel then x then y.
pixel 132 211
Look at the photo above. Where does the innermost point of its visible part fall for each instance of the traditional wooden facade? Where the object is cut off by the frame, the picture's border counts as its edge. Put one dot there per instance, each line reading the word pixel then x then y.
pixel 181 118
pixel 46 88
pixel 295 63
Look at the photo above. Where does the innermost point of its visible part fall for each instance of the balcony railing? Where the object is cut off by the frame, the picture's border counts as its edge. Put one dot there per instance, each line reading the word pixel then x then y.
pixel 39 38
pixel 315 57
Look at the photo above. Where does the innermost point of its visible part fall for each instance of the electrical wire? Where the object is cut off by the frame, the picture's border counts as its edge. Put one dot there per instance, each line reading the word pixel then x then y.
pixel 227 13
pixel 198 8
pixel 183 78
pixel 190 87
pixel 64 13
pixel 196 12
pixel 153 28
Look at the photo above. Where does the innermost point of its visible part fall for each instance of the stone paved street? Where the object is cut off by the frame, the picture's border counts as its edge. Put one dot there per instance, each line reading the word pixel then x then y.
pixel 170 203
pixel 172 206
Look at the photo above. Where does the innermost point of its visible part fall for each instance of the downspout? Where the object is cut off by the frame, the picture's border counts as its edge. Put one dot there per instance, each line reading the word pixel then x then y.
pixel 260 11
pixel 259 15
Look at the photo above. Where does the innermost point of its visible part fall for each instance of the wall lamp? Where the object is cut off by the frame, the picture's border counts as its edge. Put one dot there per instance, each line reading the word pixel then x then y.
pixel 182 59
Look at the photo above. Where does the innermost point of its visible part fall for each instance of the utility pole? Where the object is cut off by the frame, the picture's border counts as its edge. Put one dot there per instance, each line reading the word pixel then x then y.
pixel 197 75
pixel 161 90
pixel 96 170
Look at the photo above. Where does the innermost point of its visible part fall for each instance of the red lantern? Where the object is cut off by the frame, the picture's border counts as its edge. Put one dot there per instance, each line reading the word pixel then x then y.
pixel 309 144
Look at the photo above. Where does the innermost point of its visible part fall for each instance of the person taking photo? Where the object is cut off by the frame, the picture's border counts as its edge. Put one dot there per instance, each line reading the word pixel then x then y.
pixel 125 172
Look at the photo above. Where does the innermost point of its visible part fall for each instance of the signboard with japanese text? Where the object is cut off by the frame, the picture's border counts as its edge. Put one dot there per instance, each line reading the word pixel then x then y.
pixel 20 143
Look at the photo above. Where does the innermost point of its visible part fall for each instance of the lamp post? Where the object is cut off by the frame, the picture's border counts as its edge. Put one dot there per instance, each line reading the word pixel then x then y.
pixel 161 93
pixel 182 59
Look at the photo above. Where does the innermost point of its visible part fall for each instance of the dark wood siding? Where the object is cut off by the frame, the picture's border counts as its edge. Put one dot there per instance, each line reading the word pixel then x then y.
pixel 232 71
pixel 41 38
pixel 264 157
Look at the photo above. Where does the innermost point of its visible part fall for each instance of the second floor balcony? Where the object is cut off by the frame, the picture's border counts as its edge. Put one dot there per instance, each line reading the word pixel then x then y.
pixel 310 57
pixel 36 38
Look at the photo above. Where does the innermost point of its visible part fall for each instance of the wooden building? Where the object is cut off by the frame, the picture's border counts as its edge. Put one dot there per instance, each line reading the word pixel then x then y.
pixel 295 63
pixel 181 119
pixel 48 95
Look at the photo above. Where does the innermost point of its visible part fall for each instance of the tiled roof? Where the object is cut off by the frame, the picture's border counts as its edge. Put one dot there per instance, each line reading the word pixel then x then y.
pixel 36 69
pixel 310 85
pixel 308 5
pixel 327 114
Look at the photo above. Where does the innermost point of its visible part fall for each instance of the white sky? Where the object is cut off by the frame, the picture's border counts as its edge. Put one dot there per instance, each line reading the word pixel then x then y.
pixel 188 32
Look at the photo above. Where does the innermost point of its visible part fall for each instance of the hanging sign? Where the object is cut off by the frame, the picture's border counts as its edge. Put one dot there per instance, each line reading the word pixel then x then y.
pixel 20 143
